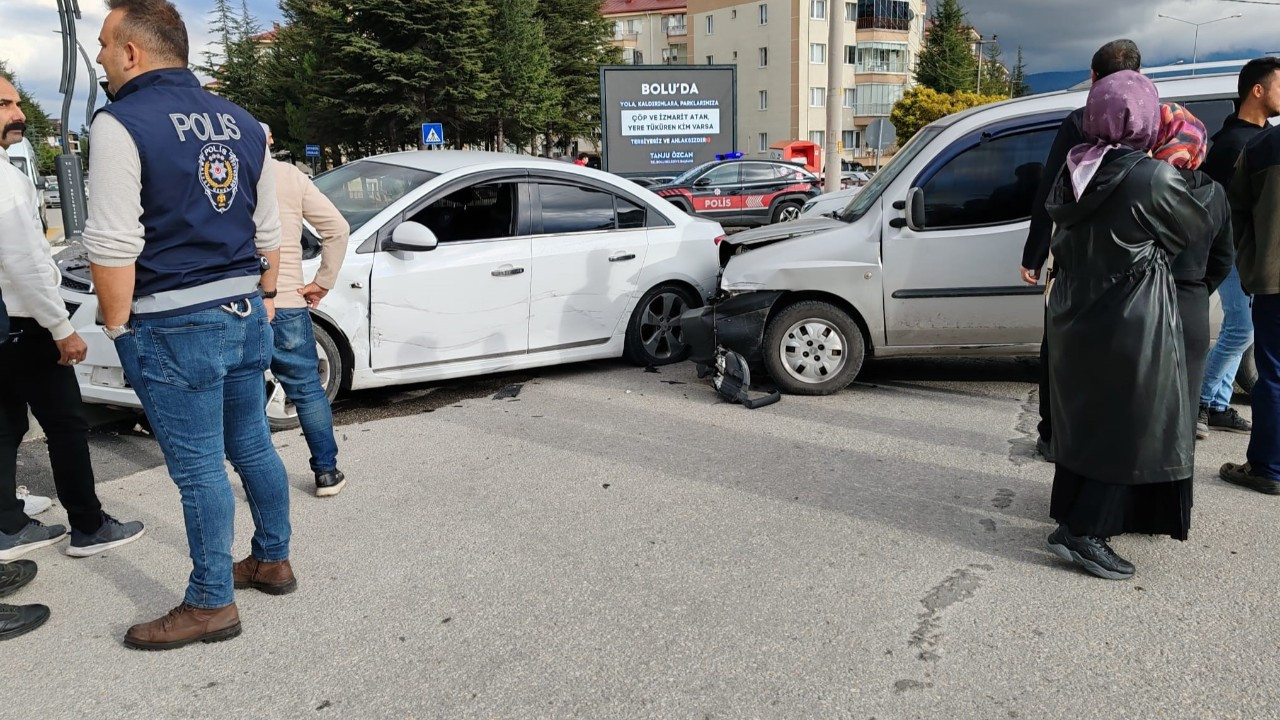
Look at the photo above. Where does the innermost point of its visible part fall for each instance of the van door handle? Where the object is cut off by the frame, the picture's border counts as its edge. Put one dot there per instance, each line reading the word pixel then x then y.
pixel 507 271
pixel 623 257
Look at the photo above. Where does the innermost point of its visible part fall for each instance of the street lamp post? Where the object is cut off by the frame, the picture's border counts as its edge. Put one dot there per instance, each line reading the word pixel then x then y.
pixel 93 83
pixel 1195 48
pixel 980 43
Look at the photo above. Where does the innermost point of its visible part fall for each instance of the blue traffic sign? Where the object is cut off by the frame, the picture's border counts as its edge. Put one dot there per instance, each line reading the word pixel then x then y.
pixel 313 151
pixel 432 134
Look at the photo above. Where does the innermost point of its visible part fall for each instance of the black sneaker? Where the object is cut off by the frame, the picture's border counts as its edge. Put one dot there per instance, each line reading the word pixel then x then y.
pixel 18 620
pixel 329 483
pixel 1243 476
pixel 1091 553
pixel 1045 449
pixel 1202 423
pixel 1229 421
pixel 33 536
pixel 15 575
pixel 112 534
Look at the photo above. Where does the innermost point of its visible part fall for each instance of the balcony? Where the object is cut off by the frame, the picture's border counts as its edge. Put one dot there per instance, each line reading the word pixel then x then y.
pixel 872 109
pixel 626 39
pixel 892 66
pixel 884 15
pixel 674 30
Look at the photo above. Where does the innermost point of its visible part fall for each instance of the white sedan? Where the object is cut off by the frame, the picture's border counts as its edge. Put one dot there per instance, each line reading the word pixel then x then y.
pixel 828 203
pixel 465 263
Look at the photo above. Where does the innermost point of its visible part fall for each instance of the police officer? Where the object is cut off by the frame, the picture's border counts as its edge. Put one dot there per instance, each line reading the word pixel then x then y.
pixel 182 207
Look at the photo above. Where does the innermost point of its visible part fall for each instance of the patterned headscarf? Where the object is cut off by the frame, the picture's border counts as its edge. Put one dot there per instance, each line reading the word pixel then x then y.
pixel 1123 110
pixel 1183 139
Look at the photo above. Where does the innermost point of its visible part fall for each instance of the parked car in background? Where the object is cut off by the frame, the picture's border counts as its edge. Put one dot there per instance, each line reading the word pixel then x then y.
pixel 922 261
pixel 743 192
pixel 650 181
pixel 465 263
pixel 52 198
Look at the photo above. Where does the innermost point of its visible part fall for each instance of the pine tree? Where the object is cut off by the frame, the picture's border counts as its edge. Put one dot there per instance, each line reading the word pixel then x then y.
pixel 579 39
pixel 522 68
pixel 947 63
pixel 995 76
pixel 1018 78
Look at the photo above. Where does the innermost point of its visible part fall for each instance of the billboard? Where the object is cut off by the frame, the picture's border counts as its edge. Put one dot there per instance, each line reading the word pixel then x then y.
pixel 665 119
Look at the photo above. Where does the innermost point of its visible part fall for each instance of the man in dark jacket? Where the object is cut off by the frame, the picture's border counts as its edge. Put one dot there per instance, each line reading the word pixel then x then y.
pixel 1259 89
pixel 1111 58
pixel 1255 213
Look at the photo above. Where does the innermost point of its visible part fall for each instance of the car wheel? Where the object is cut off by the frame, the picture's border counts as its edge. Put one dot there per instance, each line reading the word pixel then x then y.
pixel 813 348
pixel 1247 375
pixel 654 335
pixel 281 413
pixel 786 212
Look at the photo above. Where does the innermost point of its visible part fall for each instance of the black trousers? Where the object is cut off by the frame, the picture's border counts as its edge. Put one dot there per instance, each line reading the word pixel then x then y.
pixel 30 376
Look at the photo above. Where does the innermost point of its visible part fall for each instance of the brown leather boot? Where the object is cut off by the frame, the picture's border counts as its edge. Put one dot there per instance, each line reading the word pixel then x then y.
pixel 274 578
pixel 183 626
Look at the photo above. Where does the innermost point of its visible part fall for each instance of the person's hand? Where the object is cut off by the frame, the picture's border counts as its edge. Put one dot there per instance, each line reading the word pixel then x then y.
pixel 72 349
pixel 314 294
pixel 1030 277
pixel 270 305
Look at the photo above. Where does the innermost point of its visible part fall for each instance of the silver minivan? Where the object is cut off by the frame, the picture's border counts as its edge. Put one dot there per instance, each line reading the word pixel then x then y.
pixel 923 261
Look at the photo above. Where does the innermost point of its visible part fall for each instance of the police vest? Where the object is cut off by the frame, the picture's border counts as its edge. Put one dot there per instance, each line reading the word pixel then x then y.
pixel 201 158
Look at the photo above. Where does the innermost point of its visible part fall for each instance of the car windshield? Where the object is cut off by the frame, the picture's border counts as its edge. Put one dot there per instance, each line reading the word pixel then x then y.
pixel 364 188
pixel 688 175
pixel 870 192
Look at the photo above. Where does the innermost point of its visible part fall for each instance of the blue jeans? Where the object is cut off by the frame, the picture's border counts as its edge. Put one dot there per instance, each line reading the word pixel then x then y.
pixel 1234 338
pixel 296 365
pixel 1264 441
pixel 199 377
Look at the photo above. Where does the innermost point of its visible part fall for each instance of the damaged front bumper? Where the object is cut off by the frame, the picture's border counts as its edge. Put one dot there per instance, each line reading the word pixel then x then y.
pixel 734 323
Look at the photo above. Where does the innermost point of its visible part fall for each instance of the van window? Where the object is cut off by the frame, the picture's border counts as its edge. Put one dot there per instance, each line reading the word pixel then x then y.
pixel 1211 112
pixel 991 183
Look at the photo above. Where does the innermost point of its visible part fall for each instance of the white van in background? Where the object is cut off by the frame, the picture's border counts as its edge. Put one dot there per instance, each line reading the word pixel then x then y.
pixel 23 156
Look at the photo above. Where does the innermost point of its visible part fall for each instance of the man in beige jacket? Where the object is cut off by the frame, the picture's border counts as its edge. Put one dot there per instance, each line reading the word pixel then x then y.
pixel 295 362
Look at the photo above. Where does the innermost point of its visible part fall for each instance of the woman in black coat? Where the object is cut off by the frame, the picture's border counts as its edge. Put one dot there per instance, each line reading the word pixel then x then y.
pixel 1122 415
pixel 1204 264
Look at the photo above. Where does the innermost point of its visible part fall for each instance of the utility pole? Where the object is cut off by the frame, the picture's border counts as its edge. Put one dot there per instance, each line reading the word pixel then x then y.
pixel 835 79
pixel 981 58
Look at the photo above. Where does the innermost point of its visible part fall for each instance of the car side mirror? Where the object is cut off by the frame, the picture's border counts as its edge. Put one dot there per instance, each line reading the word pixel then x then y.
pixel 410 236
pixel 913 210
pixel 702 182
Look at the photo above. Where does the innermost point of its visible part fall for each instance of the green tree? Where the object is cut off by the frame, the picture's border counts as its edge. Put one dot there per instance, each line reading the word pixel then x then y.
pixel 522 68
pixel 947 63
pixel 920 106
pixel 579 38
pixel 1018 86
pixel 234 62
pixel 995 76
pixel 39 125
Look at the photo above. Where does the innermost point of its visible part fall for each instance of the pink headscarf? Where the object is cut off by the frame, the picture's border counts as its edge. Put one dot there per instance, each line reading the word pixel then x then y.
pixel 1183 141
pixel 1123 110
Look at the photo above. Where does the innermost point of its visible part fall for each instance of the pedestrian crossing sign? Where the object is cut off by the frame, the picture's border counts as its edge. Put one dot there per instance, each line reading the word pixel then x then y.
pixel 432 134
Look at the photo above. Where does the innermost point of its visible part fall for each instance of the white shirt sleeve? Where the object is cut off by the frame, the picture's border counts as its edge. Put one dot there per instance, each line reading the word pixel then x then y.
pixel 113 232
pixel 266 216
pixel 25 264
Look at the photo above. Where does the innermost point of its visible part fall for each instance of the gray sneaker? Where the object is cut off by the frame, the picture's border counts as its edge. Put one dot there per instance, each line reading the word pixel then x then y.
pixel 112 534
pixel 33 536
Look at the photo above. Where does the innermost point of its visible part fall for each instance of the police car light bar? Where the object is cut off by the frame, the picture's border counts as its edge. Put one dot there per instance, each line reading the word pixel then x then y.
pixel 729 156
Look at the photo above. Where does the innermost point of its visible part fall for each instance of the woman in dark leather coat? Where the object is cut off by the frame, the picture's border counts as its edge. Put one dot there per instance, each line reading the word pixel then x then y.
pixel 1122 416
pixel 1204 264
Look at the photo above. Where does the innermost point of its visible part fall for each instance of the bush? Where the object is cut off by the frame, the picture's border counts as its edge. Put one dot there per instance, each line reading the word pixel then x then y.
pixel 920 106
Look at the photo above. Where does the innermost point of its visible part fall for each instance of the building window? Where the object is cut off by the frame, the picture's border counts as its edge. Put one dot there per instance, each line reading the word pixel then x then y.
pixel 876 99
pixel 711 59
pixel 817 53
pixel 850 139
pixel 817 137
pixel 881 57
pixel 818 9
pixel 764 99
pixel 676 25
pixel 764 57
pixel 850 55
pixel 851 12
pixel 711 24
pixel 885 15
pixel 764 14
pixel 817 97
pixel 850 97
pixel 764 142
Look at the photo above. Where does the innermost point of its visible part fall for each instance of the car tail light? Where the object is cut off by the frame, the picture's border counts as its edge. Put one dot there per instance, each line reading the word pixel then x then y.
pixel 721 239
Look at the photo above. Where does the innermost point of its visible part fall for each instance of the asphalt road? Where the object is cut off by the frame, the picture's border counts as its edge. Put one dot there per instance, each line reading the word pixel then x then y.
pixel 614 543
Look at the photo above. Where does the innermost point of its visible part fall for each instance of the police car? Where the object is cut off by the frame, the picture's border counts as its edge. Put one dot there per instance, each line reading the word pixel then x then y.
pixel 743 192
pixel 465 263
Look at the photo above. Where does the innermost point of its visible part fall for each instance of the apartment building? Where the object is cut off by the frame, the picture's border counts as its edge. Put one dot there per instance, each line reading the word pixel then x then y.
pixel 780 48
pixel 650 32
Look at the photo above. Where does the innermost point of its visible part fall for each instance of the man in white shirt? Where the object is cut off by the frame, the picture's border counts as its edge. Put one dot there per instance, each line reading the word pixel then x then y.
pixel 36 373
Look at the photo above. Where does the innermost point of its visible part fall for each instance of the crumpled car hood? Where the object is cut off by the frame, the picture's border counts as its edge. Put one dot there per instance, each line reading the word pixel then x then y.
pixel 769 234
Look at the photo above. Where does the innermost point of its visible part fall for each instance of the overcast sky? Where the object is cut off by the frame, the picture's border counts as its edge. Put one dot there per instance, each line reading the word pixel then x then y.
pixel 1054 34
